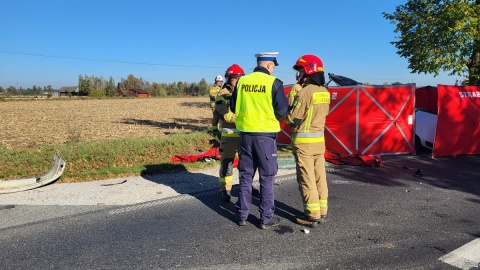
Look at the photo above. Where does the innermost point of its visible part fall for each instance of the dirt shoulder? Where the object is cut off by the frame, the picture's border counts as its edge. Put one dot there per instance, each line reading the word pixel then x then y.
pixel 121 191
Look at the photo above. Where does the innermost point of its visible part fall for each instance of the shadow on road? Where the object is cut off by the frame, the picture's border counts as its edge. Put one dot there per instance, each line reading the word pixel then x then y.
pixel 459 173
pixel 205 188
pixel 455 172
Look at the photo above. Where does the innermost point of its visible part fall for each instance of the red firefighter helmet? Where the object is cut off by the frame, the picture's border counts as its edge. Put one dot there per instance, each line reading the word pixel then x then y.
pixel 311 64
pixel 234 71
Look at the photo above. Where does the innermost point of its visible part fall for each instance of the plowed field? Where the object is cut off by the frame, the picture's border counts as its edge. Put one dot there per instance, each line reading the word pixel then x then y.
pixel 32 122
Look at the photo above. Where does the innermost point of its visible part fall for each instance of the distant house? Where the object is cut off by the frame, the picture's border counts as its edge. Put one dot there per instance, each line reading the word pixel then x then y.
pixel 137 93
pixel 69 91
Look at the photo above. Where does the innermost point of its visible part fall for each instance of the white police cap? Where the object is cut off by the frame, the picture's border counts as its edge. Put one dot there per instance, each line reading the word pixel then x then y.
pixel 267 56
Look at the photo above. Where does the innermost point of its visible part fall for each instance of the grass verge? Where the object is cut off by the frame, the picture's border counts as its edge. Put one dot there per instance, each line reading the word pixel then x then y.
pixel 106 159
pixel 87 161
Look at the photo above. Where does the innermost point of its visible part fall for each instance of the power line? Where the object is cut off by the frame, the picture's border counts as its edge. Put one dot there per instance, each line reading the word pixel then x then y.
pixel 103 60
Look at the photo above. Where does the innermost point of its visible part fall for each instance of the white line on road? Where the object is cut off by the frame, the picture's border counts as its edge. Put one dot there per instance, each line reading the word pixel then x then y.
pixel 464 257
pixel 187 197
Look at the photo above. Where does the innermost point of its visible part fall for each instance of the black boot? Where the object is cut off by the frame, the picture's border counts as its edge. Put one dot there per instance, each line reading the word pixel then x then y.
pixel 274 222
pixel 307 221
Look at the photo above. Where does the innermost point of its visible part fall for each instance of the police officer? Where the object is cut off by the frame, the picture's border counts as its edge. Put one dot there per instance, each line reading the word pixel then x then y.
pixel 213 92
pixel 294 90
pixel 230 136
pixel 307 118
pixel 258 102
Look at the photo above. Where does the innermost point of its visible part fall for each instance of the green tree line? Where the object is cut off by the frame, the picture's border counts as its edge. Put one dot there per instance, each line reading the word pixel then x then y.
pixel 100 87
pixel 164 89
pixel 33 91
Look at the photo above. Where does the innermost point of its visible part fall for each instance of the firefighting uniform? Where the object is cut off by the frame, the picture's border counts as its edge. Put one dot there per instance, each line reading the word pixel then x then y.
pixel 213 92
pixel 293 91
pixel 258 102
pixel 310 109
pixel 230 137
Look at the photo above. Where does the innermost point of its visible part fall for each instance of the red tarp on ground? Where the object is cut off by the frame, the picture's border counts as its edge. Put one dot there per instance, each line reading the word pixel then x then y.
pixel 458 124
pixel 212 153
pixel 367 120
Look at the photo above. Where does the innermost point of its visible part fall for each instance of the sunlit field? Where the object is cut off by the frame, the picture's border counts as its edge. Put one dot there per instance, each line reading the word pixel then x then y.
pixel 27 123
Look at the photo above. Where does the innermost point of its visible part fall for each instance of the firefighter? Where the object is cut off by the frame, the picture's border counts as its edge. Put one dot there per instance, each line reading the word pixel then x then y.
pixel 307 118
pixel 259 102
pixel 213 92
pixel 294 90
pixel 230 136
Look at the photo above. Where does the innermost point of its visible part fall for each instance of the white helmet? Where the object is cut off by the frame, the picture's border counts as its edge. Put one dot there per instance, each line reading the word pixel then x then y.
pixel 219 78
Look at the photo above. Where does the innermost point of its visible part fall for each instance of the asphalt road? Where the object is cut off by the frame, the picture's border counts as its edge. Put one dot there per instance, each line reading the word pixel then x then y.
pixel 379 218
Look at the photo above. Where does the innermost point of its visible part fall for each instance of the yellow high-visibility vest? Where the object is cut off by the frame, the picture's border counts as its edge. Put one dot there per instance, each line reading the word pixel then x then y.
pixel 254 105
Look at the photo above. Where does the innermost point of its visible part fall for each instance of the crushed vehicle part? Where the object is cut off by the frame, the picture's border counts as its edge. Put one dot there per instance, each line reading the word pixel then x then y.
pixel 16 185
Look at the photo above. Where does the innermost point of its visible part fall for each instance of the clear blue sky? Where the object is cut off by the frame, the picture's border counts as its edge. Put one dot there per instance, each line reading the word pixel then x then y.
pixel 52 42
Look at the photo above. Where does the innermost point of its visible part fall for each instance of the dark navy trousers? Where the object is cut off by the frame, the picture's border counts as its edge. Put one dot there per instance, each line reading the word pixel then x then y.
pixel 257 153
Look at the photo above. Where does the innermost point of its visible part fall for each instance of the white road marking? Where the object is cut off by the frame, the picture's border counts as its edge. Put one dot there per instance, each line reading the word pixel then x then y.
pixel 464 257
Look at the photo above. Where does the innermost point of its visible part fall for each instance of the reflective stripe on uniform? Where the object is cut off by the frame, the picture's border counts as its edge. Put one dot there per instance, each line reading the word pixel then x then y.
pixel 230 132
pixel 323 203
pixel 311 137
pixel 296 104
pixel 312 207
pixel 308 121
pixel 230 135
pixel 226 179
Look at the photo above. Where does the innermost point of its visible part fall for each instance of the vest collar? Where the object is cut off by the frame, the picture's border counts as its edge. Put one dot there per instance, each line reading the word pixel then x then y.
pixel 261 69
